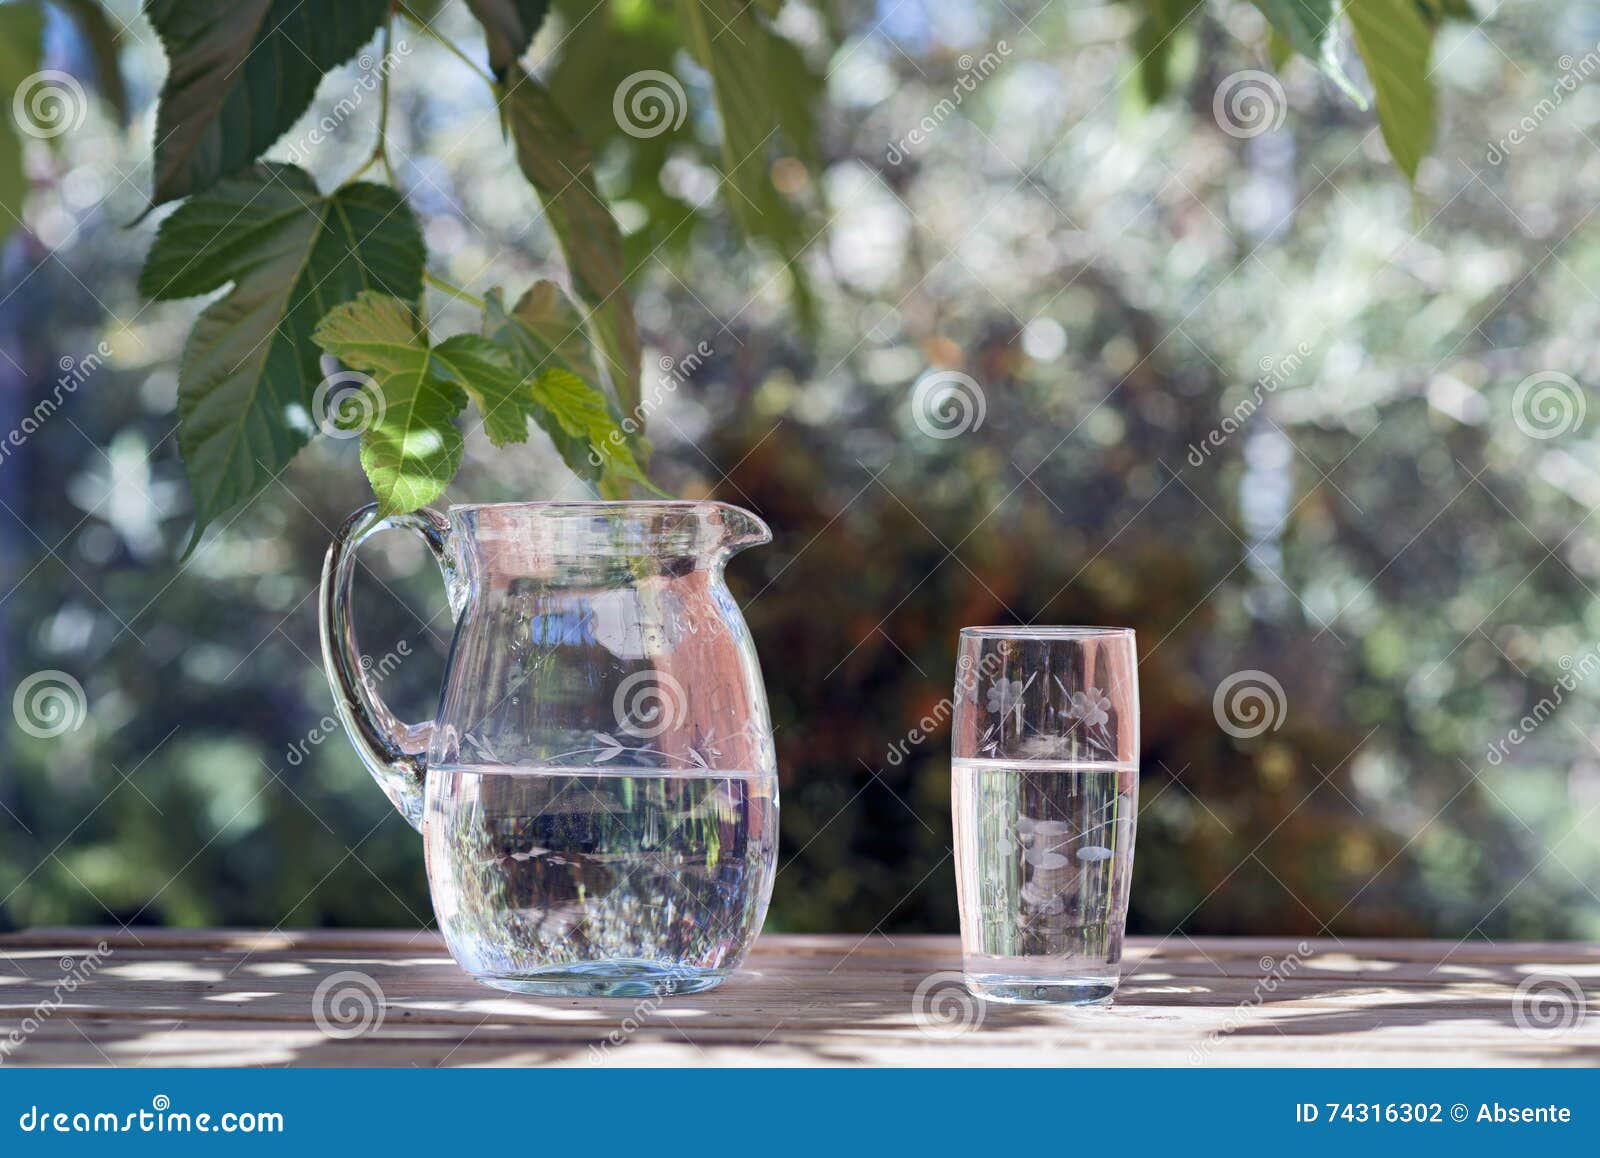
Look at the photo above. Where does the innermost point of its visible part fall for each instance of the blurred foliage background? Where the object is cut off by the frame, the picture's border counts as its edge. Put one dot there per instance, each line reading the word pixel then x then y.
pixel 1383 536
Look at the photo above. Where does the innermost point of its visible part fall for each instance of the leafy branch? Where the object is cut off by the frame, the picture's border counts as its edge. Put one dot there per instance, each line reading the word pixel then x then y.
pixel 307 274
pixel 1393 38
pixel 341 273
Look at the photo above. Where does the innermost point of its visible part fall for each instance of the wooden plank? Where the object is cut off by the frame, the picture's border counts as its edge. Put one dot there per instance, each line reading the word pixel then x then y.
pixel 1175 946
pixel 792 956
pixel 175 1042
pixel 197 997
pixel 245 940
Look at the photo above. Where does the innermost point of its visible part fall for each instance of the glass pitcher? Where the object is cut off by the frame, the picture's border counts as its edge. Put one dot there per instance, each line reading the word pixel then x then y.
pixel 597 794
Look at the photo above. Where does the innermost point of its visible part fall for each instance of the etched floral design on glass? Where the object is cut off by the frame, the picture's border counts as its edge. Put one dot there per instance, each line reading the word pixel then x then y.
pixel 1045 783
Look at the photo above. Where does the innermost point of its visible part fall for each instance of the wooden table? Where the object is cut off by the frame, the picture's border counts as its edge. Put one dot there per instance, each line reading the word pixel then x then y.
pixel 203 997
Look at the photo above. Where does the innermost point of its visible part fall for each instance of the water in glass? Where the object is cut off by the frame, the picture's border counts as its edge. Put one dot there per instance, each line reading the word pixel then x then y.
pixel 1044 790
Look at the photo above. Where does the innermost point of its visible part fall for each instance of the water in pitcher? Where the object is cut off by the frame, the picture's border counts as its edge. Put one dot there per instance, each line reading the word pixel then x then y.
pixel 1042 864
pixel 545 877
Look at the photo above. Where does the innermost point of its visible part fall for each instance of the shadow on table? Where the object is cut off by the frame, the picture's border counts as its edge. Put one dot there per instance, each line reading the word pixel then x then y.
pixel 1556 1014
pixel 898 1002
pixel 916 1006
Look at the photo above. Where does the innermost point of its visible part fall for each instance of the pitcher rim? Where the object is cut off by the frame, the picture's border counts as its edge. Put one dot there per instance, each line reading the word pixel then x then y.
pixel 740 528
pixel 593 504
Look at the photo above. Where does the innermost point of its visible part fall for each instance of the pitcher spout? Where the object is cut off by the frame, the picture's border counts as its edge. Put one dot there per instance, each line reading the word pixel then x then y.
pixel 740 528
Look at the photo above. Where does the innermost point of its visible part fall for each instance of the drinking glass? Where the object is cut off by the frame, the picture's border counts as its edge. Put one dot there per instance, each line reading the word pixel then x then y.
pixel 1044 787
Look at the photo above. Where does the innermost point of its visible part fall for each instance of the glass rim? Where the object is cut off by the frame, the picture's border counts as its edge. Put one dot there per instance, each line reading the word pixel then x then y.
pixel 1001 631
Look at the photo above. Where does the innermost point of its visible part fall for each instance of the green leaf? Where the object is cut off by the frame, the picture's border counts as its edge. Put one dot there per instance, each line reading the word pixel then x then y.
pixel 1279 50
pixel 581 413
pixel 556 163
pixel 412 448
pixel 1395 43
pixel 1438 11
pixel 544 330
pixel 241 73
pixel 103 37
pixel 544 336
pixel 250 366
pixel 509 26
pixel 744 58
pixel 797 90
pixel 491 380
pixel 1307 26
pixel 21 33
pixel 731 44
pixel 1153 41
pixel 21 41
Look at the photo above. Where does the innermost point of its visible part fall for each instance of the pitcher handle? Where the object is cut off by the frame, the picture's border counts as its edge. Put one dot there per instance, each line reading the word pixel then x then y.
pixel 393 751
